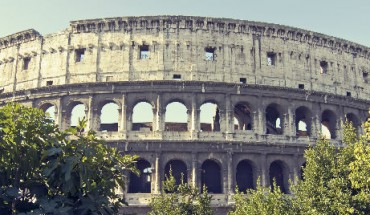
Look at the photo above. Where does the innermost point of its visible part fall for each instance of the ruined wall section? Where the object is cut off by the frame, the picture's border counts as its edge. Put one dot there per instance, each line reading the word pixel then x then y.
pixel 106 50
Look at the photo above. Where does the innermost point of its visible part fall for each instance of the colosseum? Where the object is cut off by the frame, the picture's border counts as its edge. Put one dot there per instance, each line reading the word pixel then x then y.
pixel 221 101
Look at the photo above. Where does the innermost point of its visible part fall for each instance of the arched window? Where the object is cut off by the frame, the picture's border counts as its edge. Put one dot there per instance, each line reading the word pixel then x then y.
pixel 77 113
pixel 242 117
pixel 209 117
pixel 274 120
pixel 109 117
pixel 244 175
pixel 278 173
pixel 328 124
pixel 303 119
pixel 49 110
pixel 141 183
pixel 142 117
pixel 356 123
pixel 176 117
pixel 211 176
pixel 179 171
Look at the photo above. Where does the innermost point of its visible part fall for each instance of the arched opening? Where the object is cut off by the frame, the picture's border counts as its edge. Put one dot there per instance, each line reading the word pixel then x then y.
pixel 179 171
pixel 328 124
pixel 109 117
pixel 274 120
pixel 303 121
pixel 141 183
pixel 211 176
pixel 244 176
pixel 176 117
pixel 49 110
pixel 209 117
pixel 77 113
pixel 352 118
pixel 242 117
pixel 277 173
pixel 142 117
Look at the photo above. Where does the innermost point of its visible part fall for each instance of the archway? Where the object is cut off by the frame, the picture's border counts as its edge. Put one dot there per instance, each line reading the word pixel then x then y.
pixel 141 183
pixel 211 176
pixel 244 175
pixel 209 117
pixel 328 124
pixel 303 121
pixel 77 113
pixel 142 117
pixel 242 117
pixel 179 171
pixel 176 117
pixel 277 173
pixel 274 120
pixel 109 117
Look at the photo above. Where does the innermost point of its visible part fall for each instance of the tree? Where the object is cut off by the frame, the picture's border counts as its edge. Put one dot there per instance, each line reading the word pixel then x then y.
pixel 180 199
pixel 46 171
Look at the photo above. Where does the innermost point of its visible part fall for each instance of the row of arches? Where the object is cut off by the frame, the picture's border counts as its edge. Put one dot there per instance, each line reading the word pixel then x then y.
pixel 177 118
pixel 210 175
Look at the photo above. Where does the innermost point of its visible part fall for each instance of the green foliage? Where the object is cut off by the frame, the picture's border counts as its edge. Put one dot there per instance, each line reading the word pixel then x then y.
pixel 46 171
pixel 262 201
pixel 180 199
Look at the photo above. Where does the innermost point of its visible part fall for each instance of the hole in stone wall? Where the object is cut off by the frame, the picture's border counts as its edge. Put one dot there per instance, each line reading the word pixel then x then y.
pixel 179 171
pixel 271 59
pixel 109 117
pixel 144 52
pixel 141 183
pixel 243 80
pixel 244 176
pixel 176 77
pixel 276 173
pixel 303 118
pixel 242 117
pixel 365 76
pixel 273 120
pixel 328 124
pixel 77 113
pixel 142 117
pixel 26 62
pixel 323 67
pixel 49 83
pixel 49 110
pixel 301 86
pixel 79 55
pixel 348 94
pixel 209 117
pixel 356 123
pixel 210 53
pixel 176 117
pixel 211 176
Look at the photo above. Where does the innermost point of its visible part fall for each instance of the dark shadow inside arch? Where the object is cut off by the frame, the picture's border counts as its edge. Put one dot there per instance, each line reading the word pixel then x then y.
pixel 303 119
pixel 211 176
pixel 328 120
pixel 141 183
pixel 274 120
pixel 276 172
pixel 244 176
pixel 243 116
pixel 179 171
pixel 352 118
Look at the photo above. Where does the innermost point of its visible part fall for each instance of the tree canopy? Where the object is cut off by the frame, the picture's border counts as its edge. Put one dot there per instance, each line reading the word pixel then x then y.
pixel 47 171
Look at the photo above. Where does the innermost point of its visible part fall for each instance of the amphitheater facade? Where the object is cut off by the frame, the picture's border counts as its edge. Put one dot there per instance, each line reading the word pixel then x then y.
pixel 273 89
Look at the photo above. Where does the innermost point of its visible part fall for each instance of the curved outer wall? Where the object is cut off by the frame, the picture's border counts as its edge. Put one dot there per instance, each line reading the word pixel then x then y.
pixel 232 63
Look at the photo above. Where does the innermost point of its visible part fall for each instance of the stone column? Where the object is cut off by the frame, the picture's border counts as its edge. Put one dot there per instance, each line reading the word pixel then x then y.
pixel 296 170
pixel 194 170
pixel 58 113
pixel 291 123
pixel 161 111
pixel 195 112
pixel 157 174
pixel 230 173
pixel 255 122
pixel 155 119
pixel 229 118
pixel 265 181
pixel 123 116
pixel 89 112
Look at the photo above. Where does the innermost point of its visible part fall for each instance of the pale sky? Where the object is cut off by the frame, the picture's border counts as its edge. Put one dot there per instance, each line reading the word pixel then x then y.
pixel 347 19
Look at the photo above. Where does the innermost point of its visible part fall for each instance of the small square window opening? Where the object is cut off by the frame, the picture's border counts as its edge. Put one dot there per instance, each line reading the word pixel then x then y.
pixel 210 54
pixel 271 59
pixel 301 86
pixel 176 77
pixel 26 62
pixel 323 67
pixel 243 80
pixel 49 83
pixel 79 55
pixel 365 76
pixel 144 52
pixel 348 94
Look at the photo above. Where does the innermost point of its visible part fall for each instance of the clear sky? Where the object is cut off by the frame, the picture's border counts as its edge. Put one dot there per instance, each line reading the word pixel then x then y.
pixel 347 19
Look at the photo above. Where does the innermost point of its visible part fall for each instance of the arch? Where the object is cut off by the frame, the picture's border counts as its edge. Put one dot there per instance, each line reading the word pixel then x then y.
pixel 179 171
pixel 356 123
pixel 244 175
pixel 274 119
pixel 303 121
pixel 211 176
pixel 78 111
pixel 141 183
pixel 109 116
pixel 243 116
pixel 278 172
pixel 142 117
pixel 328 124
pixel 176 117
pixel 209 117
pixel 50 110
